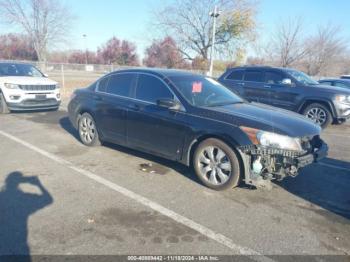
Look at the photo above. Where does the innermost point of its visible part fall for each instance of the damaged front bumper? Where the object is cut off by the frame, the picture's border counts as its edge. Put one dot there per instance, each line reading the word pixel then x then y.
pixel 265 164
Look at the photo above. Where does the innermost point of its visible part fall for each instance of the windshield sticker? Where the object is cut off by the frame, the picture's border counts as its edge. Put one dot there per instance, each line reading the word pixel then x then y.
pixel 197 87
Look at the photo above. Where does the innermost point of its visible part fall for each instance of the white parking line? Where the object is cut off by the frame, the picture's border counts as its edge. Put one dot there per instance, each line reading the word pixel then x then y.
pixel 146 202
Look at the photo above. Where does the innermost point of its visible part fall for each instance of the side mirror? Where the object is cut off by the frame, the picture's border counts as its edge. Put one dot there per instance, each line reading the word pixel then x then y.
pixel 169 103
pixel 46 75
pixel 287 82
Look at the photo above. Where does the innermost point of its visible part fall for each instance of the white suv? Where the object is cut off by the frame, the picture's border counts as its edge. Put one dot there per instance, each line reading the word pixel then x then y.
pixel 23 87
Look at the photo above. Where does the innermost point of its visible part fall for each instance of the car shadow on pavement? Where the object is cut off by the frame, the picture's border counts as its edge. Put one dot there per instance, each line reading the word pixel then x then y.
pixel 324 186
pixel 161 164
pixel 15 208
pixel 68 127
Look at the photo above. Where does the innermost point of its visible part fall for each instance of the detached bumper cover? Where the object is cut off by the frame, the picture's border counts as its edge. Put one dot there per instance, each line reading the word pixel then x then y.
pixel 318 155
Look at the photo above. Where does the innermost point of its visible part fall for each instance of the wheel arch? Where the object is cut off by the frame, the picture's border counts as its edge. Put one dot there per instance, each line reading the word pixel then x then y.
pixel 324 102
pixel 232 143
pixel 81 111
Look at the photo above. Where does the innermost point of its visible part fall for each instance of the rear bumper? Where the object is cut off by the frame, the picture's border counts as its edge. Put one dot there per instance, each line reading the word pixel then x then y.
pixel 32 104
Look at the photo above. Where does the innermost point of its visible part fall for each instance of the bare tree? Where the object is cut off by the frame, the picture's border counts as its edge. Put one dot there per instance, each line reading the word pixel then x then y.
pixel 189 23
pixel 46 22
pixel 327 50
pixel 287 44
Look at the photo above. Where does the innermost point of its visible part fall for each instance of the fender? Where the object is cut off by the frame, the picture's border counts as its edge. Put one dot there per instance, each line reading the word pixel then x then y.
pixel 188 150
pixel 315 100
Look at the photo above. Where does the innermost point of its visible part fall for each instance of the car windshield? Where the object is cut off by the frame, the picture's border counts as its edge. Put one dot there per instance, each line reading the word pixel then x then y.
pixel 9 69
pixel 302 77
pixel 204 92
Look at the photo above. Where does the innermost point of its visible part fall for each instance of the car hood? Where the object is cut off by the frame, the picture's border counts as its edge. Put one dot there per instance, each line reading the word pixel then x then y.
pixel 268 118
pixel 25 80
pixel 333 89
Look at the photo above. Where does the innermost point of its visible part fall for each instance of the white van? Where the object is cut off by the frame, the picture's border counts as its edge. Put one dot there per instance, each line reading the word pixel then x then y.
pixel 23 87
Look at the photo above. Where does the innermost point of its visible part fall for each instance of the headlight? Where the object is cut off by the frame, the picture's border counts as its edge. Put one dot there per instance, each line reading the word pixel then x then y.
pixel 11 86
pixel 342 99
pixel 58 86
pixel 268 139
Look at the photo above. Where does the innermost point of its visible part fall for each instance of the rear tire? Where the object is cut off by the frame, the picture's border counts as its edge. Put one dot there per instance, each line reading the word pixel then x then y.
pixel 88 131
pixel 3 105
pixel 216 164
pixel 319 113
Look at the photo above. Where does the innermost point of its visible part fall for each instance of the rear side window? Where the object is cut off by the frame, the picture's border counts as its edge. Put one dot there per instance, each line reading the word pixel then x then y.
pixel 102 84
pixel 236 75
pixel 273 78
pixel 120 84
pixel 151 89
pixel 254 76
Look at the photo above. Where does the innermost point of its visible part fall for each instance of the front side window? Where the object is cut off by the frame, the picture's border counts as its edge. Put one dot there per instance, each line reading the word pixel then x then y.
pixel 8 69
pixel 273 78
pixel 151 89
pixel 236 75
pixel 254 76
pixel 120 84
pixel 302 77
pixel 204 92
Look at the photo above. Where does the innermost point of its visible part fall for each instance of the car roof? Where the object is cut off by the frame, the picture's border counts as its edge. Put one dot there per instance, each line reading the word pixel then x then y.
pixel 261 67
pixel 13 63
pixel 158 71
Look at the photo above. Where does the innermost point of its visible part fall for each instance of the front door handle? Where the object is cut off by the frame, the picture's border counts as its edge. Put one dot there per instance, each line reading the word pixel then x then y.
pixel 267 86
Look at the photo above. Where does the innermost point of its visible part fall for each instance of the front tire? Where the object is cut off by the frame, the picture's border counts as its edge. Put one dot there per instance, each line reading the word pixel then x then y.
pixel 3 105
pixel 88 131
pixel 319 114
pixel 216 164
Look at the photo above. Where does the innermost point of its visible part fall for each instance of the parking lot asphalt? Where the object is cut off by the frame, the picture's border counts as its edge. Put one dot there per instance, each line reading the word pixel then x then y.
pixel 59 197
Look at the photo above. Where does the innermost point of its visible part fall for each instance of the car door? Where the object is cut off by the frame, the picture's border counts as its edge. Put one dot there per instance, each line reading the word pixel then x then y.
pixel 254 89
pixel 280 94
pixel 112 102
pixel 152 128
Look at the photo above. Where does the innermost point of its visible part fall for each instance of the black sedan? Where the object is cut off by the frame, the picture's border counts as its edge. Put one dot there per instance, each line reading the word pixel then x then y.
pixel 198 122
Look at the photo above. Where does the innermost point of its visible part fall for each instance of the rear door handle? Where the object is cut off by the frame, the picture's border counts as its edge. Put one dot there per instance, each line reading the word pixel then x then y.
pixel 241 84
pixel 267 86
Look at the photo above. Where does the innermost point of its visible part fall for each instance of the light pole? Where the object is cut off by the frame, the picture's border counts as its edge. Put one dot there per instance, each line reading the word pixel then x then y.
pixel 214 15
pixel 86 51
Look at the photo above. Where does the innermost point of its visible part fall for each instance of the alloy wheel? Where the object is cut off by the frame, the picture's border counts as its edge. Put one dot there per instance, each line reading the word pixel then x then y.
pixel 215 165
pixel 87 129
pixel 318 115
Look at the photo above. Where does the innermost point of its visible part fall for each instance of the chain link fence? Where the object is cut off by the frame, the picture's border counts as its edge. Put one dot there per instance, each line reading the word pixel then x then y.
pixel 73 76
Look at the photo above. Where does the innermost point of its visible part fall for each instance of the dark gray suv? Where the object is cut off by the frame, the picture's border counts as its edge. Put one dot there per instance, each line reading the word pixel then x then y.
pixel 290 89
